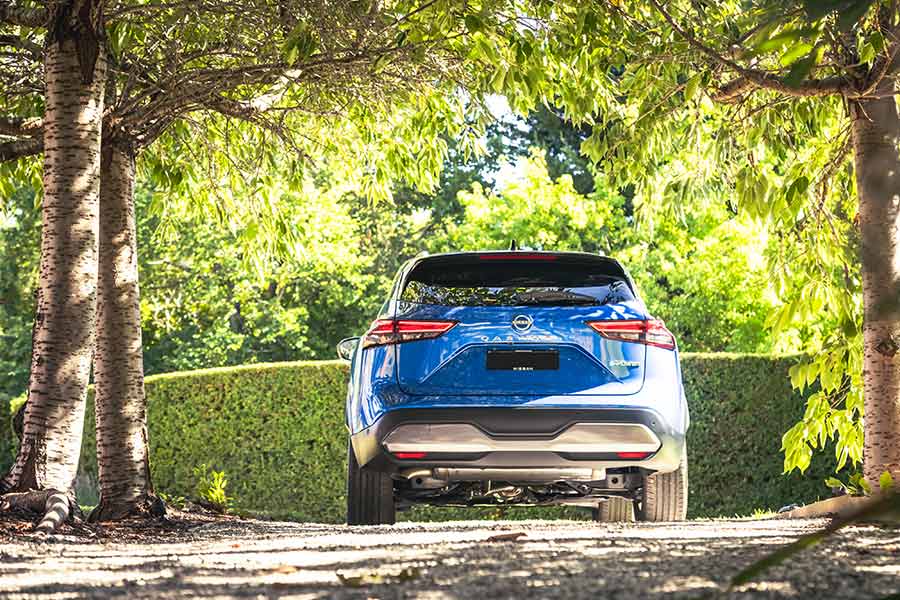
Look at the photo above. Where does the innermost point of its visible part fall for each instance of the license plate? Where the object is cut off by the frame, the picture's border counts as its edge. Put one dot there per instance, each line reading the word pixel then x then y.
pixel 523 360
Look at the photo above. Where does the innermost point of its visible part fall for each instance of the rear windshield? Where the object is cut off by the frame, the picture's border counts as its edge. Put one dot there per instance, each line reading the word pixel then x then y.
pixel 559 281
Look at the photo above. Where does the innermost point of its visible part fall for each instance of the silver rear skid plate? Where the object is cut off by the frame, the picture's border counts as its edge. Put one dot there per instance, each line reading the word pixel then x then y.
pixel 589 438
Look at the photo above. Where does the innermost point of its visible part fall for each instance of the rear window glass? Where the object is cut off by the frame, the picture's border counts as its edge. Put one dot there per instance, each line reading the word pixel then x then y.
pixel 451 281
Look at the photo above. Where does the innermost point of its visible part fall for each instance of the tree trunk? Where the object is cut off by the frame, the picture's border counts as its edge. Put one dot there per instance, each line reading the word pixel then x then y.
pixel 876 132
pixel 64 321
pixel 122 454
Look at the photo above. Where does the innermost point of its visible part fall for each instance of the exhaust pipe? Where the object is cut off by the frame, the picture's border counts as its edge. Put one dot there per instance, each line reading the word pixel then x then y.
pixel 518 475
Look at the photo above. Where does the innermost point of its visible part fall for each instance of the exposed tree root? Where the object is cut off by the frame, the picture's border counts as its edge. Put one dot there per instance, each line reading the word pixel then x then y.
pixel 57 513
pixel 55 506
pixel 32 502
pixel 150 506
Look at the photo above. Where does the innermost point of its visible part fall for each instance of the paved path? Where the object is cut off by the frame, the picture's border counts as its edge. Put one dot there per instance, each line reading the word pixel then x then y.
pixel 562 559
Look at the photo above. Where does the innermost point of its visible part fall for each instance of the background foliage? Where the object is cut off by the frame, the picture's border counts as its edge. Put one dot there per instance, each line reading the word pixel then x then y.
pixel 277 431
pixel 210 298
pixel 221 286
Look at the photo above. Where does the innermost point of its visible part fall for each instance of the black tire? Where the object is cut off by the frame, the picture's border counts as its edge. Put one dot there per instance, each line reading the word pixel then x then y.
pixel 665 495
pixel 370 495
pixel 614 510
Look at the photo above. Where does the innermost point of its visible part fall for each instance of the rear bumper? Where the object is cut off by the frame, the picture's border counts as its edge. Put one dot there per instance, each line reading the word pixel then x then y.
pixel 587 441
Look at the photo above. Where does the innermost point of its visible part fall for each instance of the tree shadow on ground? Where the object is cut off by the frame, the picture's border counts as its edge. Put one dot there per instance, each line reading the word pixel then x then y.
pixel 459 561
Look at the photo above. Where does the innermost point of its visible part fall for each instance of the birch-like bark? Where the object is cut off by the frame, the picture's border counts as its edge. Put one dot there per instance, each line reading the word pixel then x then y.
pixel 64 321
pixel 120 408
pixel 876 135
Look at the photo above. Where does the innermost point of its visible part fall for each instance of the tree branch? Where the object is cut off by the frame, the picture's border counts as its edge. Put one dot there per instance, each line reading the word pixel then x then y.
pixel 20 126
pixel 229 107
pixel 17 149
pixel 13 14
pixel 14 41
pixel 748 79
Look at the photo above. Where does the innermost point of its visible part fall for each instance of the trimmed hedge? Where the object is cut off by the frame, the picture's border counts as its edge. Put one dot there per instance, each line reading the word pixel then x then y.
pixel 277 430
pixel 740 406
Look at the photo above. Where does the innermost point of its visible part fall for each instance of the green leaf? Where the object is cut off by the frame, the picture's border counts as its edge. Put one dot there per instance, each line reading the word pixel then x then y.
pixel 849 15
pixel 794 52
pixel 801 69
pixel 115 34
pixel 876 40
pixel 300 43
pixel 872 46
pixel 474 23
pixel 816 9
pixel 498 79
pixel 834 482
pixel 866 488
pixel 797 374
pixel 763 33
pixel 866 52
pixel 785 38
pixel 886 482
pixel 691 87
pixel 381 62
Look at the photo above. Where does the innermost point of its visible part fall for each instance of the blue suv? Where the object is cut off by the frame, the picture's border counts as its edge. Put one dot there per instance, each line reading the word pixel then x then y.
pixel 515 378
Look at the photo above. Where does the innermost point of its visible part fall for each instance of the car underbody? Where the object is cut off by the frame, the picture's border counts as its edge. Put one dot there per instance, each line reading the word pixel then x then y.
pixel 420 486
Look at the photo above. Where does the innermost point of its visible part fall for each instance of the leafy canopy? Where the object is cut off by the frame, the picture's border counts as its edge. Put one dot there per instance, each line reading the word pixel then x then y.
pixel 664 91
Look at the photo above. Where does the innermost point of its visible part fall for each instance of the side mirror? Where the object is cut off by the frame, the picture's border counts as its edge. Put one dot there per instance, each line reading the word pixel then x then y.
pixel 346 347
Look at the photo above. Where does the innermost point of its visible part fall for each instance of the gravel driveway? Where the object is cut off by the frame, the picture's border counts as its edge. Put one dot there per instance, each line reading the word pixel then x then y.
pixel 551 559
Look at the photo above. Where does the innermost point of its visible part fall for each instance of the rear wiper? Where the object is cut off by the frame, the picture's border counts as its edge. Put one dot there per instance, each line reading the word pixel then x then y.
pixel 554 297
pixel 612 290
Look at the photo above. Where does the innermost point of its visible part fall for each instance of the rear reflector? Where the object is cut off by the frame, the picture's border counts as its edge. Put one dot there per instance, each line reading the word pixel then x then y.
pixel 409 455
pixel 652 332
pixel 633 455
pixel 396 331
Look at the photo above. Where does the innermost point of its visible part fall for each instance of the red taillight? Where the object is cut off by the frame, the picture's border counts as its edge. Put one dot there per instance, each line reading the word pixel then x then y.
pixel 633 455
pixel 652 332
pixel 517 256
pixel 395 331
pixel 409 455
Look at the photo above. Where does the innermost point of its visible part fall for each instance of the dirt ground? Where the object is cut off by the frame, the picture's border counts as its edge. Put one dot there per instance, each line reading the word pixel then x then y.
pixel 234 558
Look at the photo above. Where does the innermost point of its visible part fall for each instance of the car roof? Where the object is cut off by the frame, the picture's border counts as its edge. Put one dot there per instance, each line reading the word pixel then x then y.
pixel 407 268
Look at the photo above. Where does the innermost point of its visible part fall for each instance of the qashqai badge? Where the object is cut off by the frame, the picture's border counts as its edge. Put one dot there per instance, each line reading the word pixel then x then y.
pixel 522 322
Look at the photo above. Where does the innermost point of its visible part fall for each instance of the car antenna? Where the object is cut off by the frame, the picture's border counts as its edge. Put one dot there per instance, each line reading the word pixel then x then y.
pixel 513 245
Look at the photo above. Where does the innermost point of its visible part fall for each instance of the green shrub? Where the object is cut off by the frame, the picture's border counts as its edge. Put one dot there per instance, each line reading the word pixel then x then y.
pixel 8 441
pixel 278 431
pixel 210 489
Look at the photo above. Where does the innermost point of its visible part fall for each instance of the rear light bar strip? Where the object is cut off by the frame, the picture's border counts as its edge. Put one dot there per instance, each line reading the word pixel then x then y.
pixel 396 331
pixel 652 332
pixel 517 256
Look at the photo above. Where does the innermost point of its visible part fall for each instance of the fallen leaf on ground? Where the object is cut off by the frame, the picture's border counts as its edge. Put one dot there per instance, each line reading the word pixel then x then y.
pixel 506 537
pixel 285 569
pixel 378 578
